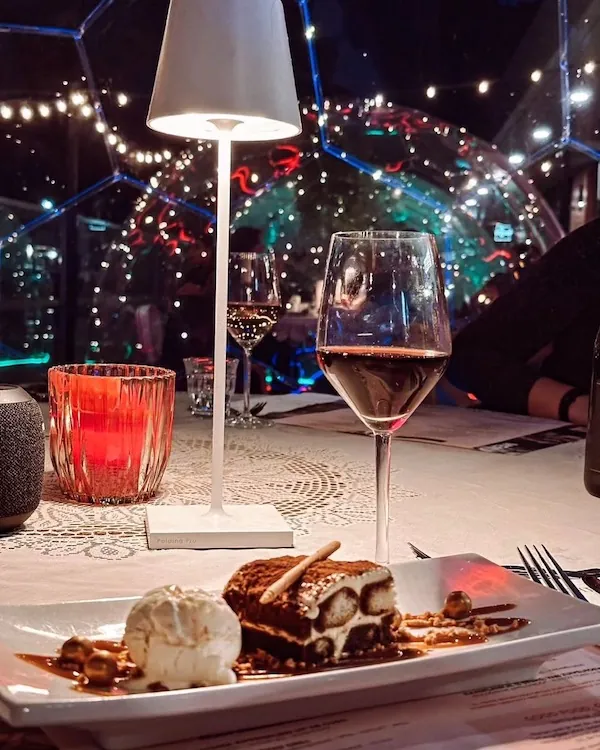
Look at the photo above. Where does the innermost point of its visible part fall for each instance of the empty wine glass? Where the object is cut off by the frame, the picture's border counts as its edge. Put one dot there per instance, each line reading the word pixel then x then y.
pixel 384 336
pixel 253 308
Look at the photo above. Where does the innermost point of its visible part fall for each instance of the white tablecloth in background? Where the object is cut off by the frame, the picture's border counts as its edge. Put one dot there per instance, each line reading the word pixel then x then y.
pixel 445 500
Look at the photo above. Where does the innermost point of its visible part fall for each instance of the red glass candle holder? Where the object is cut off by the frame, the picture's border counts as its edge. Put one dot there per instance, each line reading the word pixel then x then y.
pixel 111 428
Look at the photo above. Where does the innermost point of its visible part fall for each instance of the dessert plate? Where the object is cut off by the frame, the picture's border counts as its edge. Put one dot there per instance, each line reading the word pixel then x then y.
pixel 30 696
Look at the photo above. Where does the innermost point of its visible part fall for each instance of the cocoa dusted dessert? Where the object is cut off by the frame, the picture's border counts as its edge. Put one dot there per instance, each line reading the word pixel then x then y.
pixel 333 610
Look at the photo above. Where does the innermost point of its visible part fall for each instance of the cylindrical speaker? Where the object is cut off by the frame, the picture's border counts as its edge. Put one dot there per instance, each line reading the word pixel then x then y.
pixel 21 456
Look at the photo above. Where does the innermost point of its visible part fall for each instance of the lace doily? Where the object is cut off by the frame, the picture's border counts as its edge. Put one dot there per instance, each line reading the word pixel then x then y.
pixel 306 484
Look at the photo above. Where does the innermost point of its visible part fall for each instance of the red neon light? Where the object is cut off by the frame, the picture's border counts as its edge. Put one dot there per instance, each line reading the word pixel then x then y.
pixel 286 162
pixel 498 254
pixel 242 174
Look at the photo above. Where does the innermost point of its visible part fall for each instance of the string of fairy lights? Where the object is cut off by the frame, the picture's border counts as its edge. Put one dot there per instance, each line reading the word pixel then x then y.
pixel 582 94
pixel 77 103
pixel 440 210
pixel 73 102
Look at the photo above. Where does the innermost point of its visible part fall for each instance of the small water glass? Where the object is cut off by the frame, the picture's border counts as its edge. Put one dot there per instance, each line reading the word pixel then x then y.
pixel 200 373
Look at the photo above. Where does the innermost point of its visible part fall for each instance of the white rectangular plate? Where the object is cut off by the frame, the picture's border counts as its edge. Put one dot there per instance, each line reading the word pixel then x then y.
pixel 29 696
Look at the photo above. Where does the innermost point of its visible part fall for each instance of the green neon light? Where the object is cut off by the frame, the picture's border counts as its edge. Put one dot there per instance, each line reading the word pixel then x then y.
pixel 43 360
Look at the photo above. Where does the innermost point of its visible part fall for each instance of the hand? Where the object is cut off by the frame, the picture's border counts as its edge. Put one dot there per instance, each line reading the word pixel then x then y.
pixel 578 411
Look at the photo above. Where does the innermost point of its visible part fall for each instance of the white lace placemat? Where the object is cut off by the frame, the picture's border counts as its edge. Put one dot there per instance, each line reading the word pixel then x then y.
pixel 305 483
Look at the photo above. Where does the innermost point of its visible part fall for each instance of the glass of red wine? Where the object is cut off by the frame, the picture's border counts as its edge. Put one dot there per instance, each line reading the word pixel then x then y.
pixel 253 309
pixel 384 336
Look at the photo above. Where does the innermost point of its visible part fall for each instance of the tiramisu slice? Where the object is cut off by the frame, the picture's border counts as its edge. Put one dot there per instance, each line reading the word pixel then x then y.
pixel 335 609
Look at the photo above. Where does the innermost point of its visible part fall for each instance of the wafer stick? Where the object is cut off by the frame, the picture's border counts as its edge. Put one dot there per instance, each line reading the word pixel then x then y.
pixel 287 579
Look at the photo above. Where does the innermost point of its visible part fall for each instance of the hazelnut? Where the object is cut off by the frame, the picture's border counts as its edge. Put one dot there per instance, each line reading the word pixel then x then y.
pixel 101 668
pixel 458 605
pixel 76 650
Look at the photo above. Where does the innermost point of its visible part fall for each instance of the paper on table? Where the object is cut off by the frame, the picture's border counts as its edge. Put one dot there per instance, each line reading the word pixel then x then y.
pixel 443 425
pixel 282 404
pixel 561 709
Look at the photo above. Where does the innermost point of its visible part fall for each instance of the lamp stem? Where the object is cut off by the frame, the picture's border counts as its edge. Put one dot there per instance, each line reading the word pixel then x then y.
pixel 221 294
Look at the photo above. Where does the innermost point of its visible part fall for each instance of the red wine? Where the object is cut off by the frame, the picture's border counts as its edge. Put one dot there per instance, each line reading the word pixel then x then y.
pixel 249 324
pixel 383 385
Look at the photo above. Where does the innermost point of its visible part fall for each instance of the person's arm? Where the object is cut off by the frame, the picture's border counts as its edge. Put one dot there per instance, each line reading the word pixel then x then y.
pixel 491 355
pixel 545 397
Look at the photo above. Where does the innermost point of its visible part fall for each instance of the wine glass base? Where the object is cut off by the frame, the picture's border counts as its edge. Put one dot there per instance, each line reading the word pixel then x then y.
pixel 249 422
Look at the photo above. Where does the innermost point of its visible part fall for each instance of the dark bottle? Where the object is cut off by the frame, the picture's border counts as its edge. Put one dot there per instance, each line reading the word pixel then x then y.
pixel 591 472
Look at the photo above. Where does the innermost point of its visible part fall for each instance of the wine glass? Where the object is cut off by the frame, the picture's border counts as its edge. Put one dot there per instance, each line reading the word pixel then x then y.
pixel 254 307
pixel 384 336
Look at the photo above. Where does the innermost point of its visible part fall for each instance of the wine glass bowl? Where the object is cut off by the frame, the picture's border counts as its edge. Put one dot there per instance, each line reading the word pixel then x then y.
pixel 253 309
pixel 384 336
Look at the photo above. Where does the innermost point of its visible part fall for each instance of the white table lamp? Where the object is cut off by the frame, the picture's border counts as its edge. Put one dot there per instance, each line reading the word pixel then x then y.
pixel 225 73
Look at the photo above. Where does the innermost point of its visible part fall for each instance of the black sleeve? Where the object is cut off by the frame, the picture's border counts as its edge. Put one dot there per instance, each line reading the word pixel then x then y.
pixel 490 355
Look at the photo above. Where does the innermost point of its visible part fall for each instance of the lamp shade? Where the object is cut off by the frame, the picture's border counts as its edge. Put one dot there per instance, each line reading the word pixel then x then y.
pixel 225 60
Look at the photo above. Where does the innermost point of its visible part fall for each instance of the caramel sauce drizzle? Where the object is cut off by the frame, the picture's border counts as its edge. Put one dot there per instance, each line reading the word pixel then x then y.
pixel 251 667
pixel 55 665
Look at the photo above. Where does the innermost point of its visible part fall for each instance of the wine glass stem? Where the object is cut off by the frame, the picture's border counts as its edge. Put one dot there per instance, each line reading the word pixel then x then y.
pixel 383 448
pixel 247 374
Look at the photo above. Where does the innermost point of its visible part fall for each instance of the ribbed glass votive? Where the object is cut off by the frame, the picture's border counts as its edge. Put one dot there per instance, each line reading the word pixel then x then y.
pixel 111 428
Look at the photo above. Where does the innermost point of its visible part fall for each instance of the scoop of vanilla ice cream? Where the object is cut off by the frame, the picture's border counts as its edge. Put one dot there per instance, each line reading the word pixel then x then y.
pixel 183 637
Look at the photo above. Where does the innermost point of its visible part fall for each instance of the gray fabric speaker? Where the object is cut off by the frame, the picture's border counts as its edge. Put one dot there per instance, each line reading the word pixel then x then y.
pixel 21 456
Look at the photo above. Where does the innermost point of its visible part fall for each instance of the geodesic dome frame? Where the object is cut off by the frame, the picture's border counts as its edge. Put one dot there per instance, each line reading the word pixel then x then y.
pixel 455 202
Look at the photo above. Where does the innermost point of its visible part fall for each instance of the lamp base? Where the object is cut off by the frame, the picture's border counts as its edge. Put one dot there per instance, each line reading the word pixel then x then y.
pixel 195 527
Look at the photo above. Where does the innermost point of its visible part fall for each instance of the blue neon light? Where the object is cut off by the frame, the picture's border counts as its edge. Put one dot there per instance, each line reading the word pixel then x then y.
pixel 94 15
pixel 19 28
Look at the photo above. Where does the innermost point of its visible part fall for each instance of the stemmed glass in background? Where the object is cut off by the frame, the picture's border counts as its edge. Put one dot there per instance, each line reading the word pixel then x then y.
pixel 384 336
pixel 254 307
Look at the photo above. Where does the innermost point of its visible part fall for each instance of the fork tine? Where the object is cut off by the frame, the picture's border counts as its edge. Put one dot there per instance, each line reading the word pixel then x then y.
pixel 530 571
pixel 419 553
pixel 569 583
pixel 559 584
pixel 540 569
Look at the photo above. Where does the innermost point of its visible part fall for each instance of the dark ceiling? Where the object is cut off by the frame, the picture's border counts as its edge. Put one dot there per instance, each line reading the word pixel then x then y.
pixel 395 47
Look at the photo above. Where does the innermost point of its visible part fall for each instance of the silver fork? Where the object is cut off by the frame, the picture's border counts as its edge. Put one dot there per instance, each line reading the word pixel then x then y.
pixel 545 570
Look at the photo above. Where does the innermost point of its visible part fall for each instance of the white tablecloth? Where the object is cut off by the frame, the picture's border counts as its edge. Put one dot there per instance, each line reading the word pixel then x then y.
pixel 445 500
